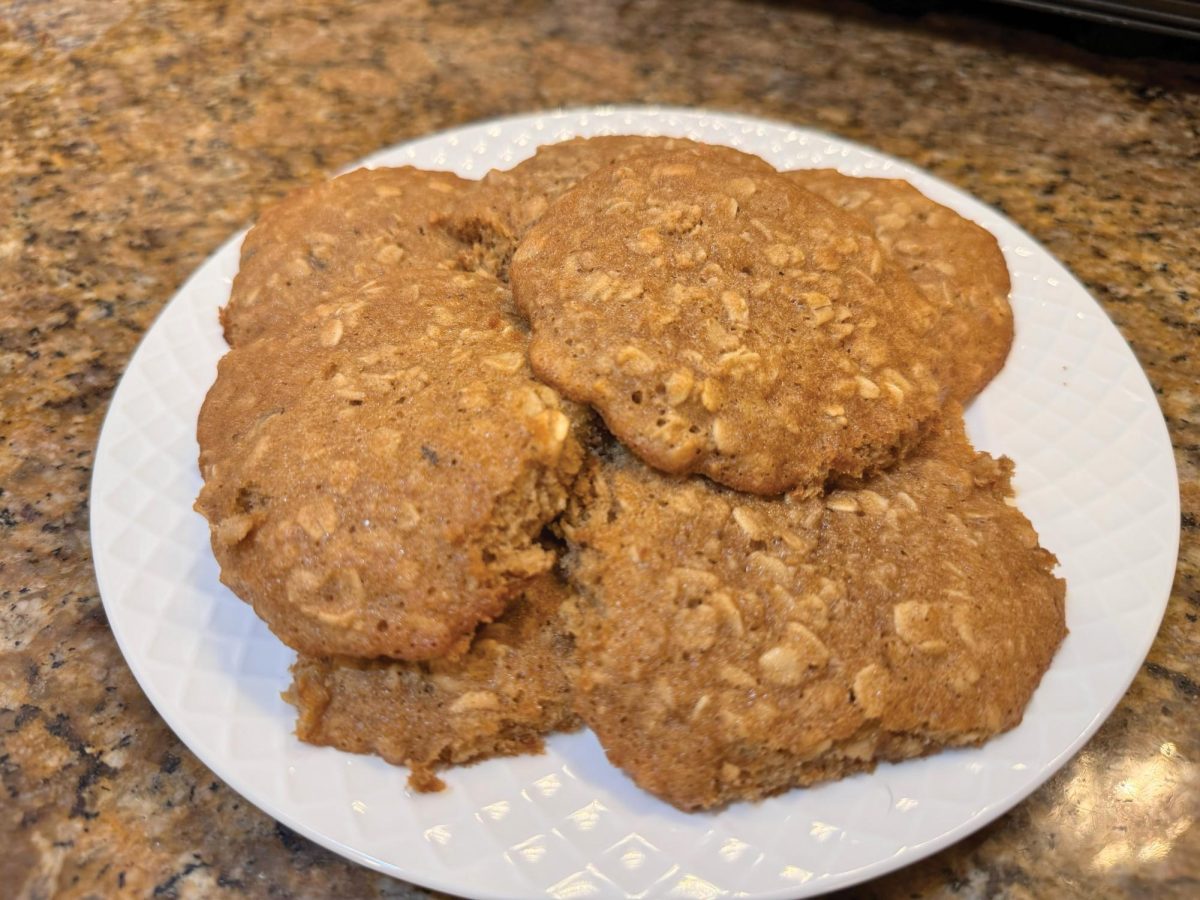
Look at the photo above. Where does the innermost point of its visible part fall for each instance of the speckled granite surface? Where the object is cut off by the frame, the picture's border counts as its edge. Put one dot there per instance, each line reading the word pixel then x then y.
pixel 135 137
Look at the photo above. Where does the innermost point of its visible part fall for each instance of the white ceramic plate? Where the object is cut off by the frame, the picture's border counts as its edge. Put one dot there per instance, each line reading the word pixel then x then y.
pixel 1095 473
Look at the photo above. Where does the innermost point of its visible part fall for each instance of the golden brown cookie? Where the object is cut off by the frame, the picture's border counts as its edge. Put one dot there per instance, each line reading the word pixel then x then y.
pixel 498 699
pixel 955 263
pixel 725 321
pixel 506 204
pixel 377 478
pixel 730 647
pixel 326 239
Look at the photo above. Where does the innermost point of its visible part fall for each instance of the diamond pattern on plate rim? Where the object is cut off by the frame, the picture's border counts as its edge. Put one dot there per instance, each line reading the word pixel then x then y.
pixel 1094 473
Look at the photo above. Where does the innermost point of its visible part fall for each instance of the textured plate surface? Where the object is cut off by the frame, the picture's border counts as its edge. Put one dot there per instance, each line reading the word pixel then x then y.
pixel 1095 474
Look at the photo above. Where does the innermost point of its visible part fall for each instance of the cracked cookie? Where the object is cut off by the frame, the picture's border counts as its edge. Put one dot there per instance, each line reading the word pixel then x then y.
pixel 327 239
pixel 731 647
pixel 954 262
pixel 725 321
pixel 499 698
pixel 377 478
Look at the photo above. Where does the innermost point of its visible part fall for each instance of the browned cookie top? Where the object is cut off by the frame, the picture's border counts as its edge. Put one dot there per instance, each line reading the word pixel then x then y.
pixel 956 264
pixel 499 698
pixel 507 203
pixel 376 479
pixel 731 646
pixel 328 238
pixel 725 321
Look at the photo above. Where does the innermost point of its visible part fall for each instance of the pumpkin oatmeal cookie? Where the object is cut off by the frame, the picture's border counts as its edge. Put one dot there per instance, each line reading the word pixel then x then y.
pixel 724 321
pixel 326 239
pixel 377 478
pixel 731 647
pixel 955 263
pixel 496 215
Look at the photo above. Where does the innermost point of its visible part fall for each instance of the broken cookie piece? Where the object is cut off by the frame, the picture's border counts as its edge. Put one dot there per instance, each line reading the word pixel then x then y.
pixel 499 698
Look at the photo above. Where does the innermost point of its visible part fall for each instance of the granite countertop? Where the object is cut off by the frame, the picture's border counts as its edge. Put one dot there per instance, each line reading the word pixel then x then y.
pixel 136 136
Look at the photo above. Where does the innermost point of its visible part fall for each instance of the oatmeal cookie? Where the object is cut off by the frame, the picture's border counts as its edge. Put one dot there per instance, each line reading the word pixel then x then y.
pixel 954 262
pixel 731 647
pixel 377 478
pixel 507 203
pixel 328 238
pixel 725 321
pixel 498 699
